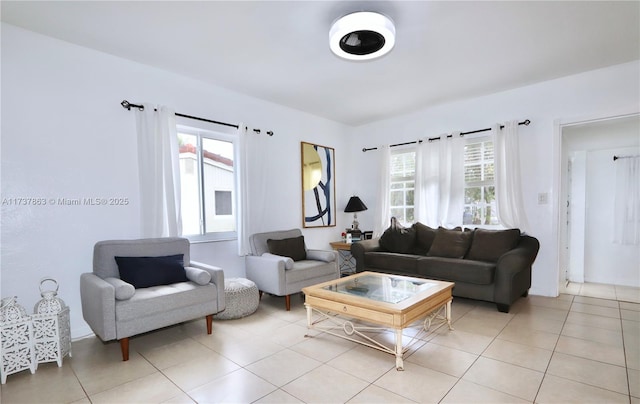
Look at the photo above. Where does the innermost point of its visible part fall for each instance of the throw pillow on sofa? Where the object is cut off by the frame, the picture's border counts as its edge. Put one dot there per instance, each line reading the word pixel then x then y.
pixel 489 245
pixel 293 248
pixel 450 243
pixel 398 239
pixel 424 238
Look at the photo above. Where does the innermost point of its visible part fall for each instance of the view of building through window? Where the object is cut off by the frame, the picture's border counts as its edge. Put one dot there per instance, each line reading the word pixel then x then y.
pixel 208 184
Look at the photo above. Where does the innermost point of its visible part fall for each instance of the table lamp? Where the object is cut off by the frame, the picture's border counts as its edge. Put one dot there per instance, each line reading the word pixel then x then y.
pixel 355 205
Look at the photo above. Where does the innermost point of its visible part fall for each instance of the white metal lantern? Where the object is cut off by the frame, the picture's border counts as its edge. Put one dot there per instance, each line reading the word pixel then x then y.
pixel 16 339
pixel 51 326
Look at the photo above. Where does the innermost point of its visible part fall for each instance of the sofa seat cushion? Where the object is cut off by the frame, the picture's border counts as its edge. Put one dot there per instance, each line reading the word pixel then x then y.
pixel 158 299
pixel 457 270
pixel 308 269
pixel 391 261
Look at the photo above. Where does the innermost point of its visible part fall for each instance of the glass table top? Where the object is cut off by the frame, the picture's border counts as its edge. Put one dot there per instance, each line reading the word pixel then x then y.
pixel 388 289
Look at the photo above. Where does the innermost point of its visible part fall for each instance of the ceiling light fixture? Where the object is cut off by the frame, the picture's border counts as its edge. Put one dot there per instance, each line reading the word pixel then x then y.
pixel 363 35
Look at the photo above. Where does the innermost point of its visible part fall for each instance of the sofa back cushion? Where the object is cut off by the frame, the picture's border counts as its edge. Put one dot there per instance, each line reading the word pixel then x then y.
pixel 424 238
pixel 489 245
pixel 398 239
pixel 450 243
pixel 293 247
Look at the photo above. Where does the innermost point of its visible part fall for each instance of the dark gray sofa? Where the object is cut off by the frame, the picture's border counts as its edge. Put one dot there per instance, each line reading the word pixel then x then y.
pixel 489 265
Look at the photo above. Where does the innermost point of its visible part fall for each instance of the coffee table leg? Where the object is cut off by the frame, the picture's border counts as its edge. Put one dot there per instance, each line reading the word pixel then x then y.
pixel 448 314
pixel 399 361
pixel 309 315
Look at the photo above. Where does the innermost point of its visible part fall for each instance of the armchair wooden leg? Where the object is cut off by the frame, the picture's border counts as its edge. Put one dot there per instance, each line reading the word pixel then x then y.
pixel 124 347
pixel 209 323
pixel 287 302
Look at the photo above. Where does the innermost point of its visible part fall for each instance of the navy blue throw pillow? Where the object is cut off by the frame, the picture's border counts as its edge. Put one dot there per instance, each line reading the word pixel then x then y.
pixel 144 272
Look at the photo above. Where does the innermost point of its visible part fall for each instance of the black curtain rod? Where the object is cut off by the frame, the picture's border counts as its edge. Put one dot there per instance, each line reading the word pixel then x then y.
pixel 526 122
pixel 624 157
pixel 126 104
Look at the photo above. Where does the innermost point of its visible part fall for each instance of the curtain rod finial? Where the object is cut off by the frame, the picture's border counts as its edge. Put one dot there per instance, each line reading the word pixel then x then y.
pixel 527 122
pixel 270 133
pixel 125 104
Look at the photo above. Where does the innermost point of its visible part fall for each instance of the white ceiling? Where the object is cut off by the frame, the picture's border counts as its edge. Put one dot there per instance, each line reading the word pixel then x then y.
pixel 278 50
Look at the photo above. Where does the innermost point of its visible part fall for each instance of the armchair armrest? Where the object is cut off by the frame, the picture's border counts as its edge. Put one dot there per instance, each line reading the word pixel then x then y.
pixel 217 278
pixel 267 272
pixel 98 305
pixel 322 255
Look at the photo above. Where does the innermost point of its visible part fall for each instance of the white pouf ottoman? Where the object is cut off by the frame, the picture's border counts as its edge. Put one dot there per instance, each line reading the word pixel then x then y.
pixel 242 298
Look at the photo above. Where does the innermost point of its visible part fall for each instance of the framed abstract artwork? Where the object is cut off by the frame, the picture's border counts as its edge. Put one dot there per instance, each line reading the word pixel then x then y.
pixel 318 185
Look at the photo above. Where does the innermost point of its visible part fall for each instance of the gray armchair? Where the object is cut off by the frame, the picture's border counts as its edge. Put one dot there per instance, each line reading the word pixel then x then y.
pixel 114 309
pixel 280 275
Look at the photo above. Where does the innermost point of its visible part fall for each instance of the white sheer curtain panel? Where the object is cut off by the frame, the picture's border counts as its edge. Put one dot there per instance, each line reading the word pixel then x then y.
pixel 242 189
pixel 420 207
pixel 383 214
pixel 451 205
pixel 626 224
pixel 508 181
pixel 439 189
pixel 159 172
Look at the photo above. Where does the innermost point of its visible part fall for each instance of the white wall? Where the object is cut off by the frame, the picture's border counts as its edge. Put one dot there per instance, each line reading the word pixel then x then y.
pixel 65 135
pixel 577 215
pixel 598 93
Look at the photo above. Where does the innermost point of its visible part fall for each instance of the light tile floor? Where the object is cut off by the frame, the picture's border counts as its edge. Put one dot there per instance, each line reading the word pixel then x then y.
pixel 612 292
pixel 546 350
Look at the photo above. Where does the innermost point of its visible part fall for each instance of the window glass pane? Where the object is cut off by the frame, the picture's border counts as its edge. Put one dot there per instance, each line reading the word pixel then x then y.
pixel 473 173
pixel 396 198
pixel 472 195
pixel 223 203
pixel 218 181
pixel 409 217
pixel 409 200
pixel 489 194
pixel 189 182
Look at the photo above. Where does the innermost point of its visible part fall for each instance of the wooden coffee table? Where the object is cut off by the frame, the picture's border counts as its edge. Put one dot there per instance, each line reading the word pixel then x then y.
pixel 386 301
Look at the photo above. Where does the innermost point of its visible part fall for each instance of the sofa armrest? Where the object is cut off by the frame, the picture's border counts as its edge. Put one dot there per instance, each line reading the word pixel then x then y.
pixel 513 270
pixel 359 248
pixel 268 272
pixel 322 255
pixel 217 278
pixel 98 305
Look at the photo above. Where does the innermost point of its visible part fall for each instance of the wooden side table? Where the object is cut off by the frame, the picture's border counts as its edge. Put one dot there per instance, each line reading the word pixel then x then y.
pixel 347 263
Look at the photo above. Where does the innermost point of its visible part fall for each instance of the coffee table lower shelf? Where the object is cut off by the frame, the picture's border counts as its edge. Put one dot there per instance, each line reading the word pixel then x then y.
pixel 335 324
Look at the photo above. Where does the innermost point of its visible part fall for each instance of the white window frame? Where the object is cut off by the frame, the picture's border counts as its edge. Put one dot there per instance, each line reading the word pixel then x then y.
pixel 482 184
pixel 402 180
pixel 200 134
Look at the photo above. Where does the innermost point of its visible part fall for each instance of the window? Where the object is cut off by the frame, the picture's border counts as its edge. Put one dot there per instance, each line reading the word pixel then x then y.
pixel 479 186
pixel 403 175
pixel 207 179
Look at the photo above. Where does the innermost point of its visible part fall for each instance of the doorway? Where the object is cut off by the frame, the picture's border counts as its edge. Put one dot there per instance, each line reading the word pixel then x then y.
pixel 589 260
